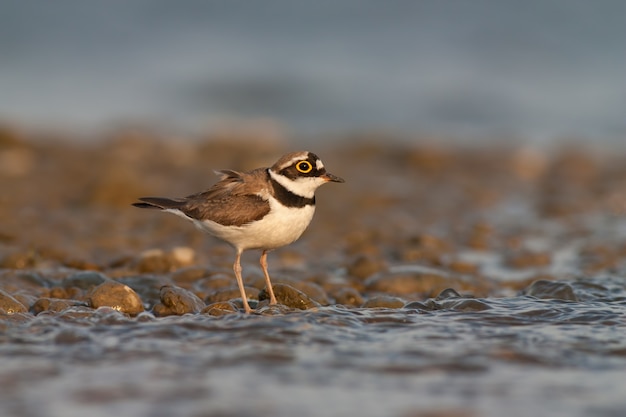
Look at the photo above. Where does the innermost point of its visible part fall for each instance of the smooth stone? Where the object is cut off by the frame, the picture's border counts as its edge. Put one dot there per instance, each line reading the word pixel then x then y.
pixel 220 308
pixel 465 304
pixel 313 290
pixel 290 297
pixel 19 261
pixel 10 305
pixel 348 297
pixel 177 301
pixel 551 290
pixel 159 261
pixel 527 259
pixel 53 304
pixel 190 274
pixel 365 266
pixel 384 301
pixel 21 280
pixel 148 287
pixel 117 296
pixel 71 293
pixel 416 280
pixel 85 280
pixel 226 294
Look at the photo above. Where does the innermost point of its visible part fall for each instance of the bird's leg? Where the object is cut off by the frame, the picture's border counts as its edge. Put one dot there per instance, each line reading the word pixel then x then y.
pixel 237 269
pixel 263 262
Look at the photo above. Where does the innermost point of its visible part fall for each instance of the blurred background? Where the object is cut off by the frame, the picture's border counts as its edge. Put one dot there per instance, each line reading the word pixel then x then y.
pixel 536 71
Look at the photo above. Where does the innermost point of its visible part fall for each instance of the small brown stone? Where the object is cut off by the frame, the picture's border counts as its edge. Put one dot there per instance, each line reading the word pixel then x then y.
pixel 220 309
pixel 348 297
pixel 417 281
pixel 384 301
pixel 226 294
pixel 527 259
pixel 177 301
pixel 115 295
pixel 10 305
pixel 290 297
pixel 365 266
pixel 551 290
pixel 53 304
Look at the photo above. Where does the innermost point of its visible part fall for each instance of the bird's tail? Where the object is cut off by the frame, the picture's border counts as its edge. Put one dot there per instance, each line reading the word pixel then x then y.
pixel 161 203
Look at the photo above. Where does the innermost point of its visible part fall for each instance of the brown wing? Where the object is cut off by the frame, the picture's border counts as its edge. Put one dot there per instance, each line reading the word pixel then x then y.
pixel 232 201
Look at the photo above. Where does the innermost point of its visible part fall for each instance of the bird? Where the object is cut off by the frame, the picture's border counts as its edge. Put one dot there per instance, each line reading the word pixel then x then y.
pixel 262 209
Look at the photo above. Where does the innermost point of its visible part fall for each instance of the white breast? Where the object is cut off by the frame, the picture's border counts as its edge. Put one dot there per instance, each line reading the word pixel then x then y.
pixel 282 226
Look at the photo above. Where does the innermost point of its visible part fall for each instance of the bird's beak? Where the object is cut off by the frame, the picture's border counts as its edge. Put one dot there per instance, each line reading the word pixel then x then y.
pixel 332 178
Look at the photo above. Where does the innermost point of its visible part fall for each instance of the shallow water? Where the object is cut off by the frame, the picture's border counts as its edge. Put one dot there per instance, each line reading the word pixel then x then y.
pixel 499 278
pixel 515 356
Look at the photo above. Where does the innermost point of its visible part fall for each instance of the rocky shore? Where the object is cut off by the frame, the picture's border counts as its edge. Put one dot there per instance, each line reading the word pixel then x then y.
pixel 413 219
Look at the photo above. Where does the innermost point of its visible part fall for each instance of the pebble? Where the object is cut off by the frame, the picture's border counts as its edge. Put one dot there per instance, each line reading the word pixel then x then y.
pixel 10 305
pixel 348 297
pixel 551 290
pixel 177 301
pixel 231 293
pixel 407 282
pixel 384 301
pixel 53 304
pixel 115 295
pixel 290 297
pixel 527 259
pixel 85 280
pixel 159 261
pixel 220 308
pixel 365 266
pixel 313 290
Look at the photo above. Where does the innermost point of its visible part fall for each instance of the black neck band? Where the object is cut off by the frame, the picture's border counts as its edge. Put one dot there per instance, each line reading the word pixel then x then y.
pixel 286 197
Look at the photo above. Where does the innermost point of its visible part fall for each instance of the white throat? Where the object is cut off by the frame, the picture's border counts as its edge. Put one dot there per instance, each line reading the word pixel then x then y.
pixel 303 186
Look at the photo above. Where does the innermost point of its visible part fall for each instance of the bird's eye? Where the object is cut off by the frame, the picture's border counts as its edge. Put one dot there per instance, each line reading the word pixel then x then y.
pixel 305 167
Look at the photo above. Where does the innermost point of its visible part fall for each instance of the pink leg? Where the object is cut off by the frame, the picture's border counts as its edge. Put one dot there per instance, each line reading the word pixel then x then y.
pixel 237 269
pixel 263 262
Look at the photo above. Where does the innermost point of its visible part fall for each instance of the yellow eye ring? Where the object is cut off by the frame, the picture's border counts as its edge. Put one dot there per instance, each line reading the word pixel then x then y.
pixel 304 166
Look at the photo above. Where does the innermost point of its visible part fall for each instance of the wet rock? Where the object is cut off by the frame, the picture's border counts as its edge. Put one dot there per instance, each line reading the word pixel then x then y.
pixel 154 261
pixel 71 336
pixel 465 304
pixel 22 280
pixel 384 301
pixel 221 308
pixel 313 290
pixel 24 298
pixel 216 282
pixel 290 297
pixel 348 297
pixel 148 287
pixel 481 236
pixel 177 301
pixel 85 280
pixel 551 290
pixel 226 294
pixel 19 260
pixel 413 280
pixel 53 304
pixel 447 294
pixel 418 305
pixel 365 266
pixel 527 259
pixel 424 247
pixel 65 293
pixel 274 309
pixel 159 261
pixel 189 275
pixel 116 295
pixel 10 305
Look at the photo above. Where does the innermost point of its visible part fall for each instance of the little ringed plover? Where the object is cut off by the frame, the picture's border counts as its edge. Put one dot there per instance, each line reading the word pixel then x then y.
pixel 265 208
